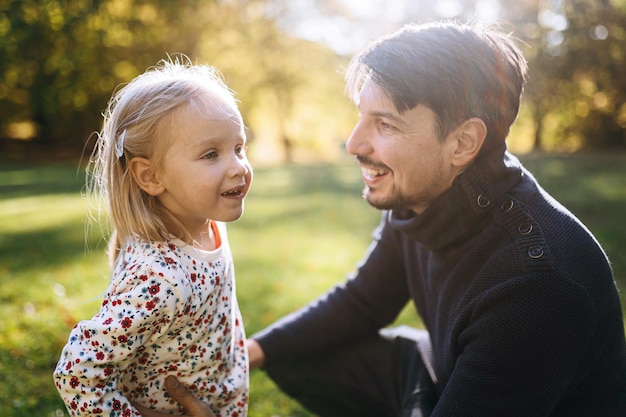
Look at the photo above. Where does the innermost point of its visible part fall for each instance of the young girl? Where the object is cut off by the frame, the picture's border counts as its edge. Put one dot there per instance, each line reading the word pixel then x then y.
pixel 171 162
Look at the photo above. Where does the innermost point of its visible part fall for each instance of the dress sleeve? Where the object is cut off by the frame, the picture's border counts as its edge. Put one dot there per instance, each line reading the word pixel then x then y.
pixel 368 300
pixel 135 307
pixel 519 352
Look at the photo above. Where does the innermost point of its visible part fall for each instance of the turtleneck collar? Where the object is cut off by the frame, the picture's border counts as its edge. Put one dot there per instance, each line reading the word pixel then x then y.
pixel 460 210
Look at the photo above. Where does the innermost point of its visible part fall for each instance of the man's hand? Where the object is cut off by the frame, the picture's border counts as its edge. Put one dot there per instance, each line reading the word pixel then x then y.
pixel 193 405
pixel 256 356
pixel 179 393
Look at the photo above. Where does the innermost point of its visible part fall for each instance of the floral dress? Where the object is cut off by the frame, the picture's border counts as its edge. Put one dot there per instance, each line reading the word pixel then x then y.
pixel 170 309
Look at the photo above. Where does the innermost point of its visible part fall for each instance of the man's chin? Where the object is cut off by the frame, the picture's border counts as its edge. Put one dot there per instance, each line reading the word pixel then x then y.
pixel 384 202
pixel 373 201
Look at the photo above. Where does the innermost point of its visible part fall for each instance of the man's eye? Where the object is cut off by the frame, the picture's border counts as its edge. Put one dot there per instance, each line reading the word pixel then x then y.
pixel 385 126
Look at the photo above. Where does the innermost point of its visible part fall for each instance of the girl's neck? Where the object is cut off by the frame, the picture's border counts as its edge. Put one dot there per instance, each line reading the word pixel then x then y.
pixel 206 239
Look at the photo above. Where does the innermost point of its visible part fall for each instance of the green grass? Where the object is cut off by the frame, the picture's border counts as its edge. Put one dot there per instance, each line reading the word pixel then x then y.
pixel 304 228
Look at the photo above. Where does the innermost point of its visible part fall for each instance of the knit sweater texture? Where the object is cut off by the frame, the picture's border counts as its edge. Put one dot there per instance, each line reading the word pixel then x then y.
pixel 517 295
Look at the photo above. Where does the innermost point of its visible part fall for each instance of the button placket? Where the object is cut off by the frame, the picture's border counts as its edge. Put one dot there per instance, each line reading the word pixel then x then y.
pixel 525 228
pixel 506 206
pixel 535 251
pixel 531 242
pixel 483 201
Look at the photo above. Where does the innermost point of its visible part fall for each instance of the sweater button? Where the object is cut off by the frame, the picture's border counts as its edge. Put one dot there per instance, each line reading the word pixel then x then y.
pixel 483 201
pixel 535 252
pixel 506 205
pixel 525 228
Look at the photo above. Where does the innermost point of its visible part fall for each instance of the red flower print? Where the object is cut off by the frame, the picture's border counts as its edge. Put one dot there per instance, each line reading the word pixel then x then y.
pixel 100 356
pixel 171 246
pixel 122 339
pixel 127 322
pixel 154 289
pixel 194 277
pixel 143 277
pixel 74 382
pixel 107 321
pixel 169 260
pixel 108 371
pixel 117 405
pixel 150 305
pixel 87 334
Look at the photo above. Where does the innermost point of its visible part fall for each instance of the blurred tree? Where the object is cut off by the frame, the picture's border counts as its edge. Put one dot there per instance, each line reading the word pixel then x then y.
pixel 577 86
pixel 61 60
pixel 575 48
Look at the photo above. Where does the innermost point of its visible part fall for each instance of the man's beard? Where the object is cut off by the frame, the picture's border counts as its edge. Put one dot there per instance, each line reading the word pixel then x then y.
pixel 396 200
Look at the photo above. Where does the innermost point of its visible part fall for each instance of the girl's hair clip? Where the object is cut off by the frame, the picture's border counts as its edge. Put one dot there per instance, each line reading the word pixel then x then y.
pixel 119 146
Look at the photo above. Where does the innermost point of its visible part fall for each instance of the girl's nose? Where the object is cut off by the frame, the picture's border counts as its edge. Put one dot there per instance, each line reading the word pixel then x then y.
pixel 239 167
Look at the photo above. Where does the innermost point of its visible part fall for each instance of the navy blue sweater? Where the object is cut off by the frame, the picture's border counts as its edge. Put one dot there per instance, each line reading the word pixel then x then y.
pixel 517 295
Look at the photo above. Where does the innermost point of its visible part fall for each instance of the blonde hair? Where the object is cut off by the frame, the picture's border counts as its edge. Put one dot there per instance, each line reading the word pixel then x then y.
pixel 135 125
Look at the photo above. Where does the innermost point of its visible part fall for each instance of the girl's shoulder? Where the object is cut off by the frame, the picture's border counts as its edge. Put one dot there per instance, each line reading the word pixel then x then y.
pixel 141 265
pixel 139 257
pixel 149 252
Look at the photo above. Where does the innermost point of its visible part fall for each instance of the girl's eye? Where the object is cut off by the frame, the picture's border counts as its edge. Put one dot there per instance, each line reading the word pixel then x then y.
pixel 210 155
pixel 241 150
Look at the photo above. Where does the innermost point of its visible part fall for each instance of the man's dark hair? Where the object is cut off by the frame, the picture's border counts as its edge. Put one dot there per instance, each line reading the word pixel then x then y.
pixel 458 71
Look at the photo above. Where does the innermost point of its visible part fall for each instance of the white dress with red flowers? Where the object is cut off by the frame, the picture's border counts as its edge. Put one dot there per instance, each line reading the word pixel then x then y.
pixel 170 309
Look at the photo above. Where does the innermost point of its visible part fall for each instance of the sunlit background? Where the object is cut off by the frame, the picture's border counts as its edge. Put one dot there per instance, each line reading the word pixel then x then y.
pixel 62 59
pixel 305 224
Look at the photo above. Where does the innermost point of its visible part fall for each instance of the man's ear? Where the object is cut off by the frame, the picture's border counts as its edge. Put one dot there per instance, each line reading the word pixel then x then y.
pixel 144 175
pixel 471 136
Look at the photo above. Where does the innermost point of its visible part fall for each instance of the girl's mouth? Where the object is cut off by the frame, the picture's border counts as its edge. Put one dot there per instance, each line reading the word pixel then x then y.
pixel 236 192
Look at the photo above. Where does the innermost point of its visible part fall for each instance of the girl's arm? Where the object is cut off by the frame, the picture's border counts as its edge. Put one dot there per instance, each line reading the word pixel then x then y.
pixel 99 350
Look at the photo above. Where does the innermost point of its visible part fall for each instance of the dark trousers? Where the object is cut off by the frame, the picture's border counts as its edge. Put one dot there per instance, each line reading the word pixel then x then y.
pixel 382 376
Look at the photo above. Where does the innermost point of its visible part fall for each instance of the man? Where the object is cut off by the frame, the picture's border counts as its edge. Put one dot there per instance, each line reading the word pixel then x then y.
pixel 517 297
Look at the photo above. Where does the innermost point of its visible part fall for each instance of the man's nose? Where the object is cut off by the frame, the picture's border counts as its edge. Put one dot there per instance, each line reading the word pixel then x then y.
pixel 357 143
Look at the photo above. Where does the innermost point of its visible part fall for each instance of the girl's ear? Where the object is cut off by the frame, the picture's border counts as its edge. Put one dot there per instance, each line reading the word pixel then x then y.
pixel 144 175
pixel 471 136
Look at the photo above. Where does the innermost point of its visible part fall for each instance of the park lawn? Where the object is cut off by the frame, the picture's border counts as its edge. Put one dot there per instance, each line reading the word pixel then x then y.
pixel 303 229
